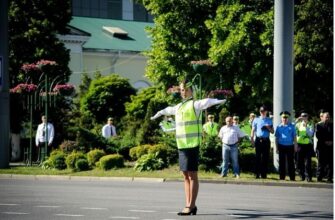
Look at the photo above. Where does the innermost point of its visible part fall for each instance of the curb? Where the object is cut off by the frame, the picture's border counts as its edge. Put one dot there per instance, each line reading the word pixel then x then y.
pixel 78 178
pixel 262 183
pixel 161 180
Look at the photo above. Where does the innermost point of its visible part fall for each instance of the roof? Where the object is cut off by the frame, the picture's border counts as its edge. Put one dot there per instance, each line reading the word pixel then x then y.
pixel 137 39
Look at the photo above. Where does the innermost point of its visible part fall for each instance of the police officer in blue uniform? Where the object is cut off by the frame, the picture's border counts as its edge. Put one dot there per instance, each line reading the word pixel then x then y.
pixel 261 128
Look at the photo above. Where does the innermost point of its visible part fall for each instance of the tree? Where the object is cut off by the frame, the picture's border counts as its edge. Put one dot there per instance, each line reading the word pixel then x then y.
pixel 313 50
pixel 237 37
pixel 242 51
pixel 105 97
pixel 33 25
pixel 178 37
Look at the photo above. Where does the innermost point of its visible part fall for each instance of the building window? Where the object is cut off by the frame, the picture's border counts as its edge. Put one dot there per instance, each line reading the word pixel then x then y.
pixel 108 9
pixel 141 14
pixel 114 9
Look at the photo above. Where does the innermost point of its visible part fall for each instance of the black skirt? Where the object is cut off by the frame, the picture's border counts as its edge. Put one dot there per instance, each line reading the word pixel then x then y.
pixel 189 159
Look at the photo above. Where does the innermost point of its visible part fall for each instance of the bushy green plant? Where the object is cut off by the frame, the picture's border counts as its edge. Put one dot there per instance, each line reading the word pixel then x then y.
pixel 58 161
pixel 55 161
pixel 169 155
pixel 136 152
pixel 86 139
pixel 106 96
pixel 94 156
pixel 69 146
pixel 111 161
pixel 72 158
pixel 81 165
pixel 210 153
pixel 149 162
pixel 247 159
pixel 47 165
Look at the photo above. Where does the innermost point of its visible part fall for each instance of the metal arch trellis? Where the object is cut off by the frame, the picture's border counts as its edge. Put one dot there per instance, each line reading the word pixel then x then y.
pixel 37 100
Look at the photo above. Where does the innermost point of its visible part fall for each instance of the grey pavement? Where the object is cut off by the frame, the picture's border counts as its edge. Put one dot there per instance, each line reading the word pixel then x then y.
pixel 82 198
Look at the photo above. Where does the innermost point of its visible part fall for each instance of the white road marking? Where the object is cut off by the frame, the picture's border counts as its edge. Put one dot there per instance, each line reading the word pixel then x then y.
pixel 69 215
pixel 134 210
pixel 47 206
pixel 93 208
pixel 239 216
pixel 7 204
pixel 287 218
pixel 123 217
pixel 16 213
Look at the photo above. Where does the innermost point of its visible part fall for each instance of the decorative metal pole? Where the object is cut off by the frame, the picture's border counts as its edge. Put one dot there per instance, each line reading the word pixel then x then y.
pixel 45 152
pixel 30 103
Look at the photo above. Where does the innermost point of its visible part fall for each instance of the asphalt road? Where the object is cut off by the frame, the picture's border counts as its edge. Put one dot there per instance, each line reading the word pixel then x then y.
pixel 81 199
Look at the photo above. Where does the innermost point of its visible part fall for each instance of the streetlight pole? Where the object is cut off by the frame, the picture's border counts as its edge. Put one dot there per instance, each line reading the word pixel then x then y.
pixel 283 61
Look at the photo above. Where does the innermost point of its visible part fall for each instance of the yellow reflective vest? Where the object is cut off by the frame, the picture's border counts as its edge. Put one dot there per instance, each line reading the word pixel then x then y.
pixel 211 128
pixel 302 136
pixel 188 126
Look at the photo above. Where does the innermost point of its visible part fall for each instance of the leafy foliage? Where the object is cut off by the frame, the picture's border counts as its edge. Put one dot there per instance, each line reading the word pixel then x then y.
pixel 105 98
pixel 178 37
pixel 82 165
pixel 55 161
pixel 313 51
pixel 72 158
pixel 111 161
pixel 241 49
pixel 32 28
pixel 210 153
pixel 149 162
pixel 94 156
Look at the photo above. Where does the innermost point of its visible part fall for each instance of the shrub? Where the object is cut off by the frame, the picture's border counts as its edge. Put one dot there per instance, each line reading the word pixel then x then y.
pixel 72 158
pixel 47 165
pixel 68 146
pixel 94 156
pixel 111 161
pixel 136 152
pixel 149 162
pixel 247 159
pixel 58 161
pixel 81 165
pixel 167 154
pixel 55 161
pixel 210 155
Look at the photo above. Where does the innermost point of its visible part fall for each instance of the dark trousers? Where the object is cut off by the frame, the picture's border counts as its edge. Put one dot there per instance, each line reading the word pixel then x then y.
pixel 325 163
pixel 262 146
pixel 304 156
pixel 286 154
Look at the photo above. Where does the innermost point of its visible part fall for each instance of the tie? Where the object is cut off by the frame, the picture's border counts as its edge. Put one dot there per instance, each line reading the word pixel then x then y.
pixel 43 132
pixel 112 134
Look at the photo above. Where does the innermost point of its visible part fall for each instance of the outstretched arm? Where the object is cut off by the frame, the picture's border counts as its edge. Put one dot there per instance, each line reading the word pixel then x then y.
pixel 166 111
pixel 206 103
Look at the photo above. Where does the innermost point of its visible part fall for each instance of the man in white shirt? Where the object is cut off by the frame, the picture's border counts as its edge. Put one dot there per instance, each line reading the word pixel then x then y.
pixel 108 130
pixel 230 136
pixel 45 133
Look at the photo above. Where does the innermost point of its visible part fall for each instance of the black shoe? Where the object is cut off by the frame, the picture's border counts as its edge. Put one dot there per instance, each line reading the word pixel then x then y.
pixel 192 211
pixel 303 178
